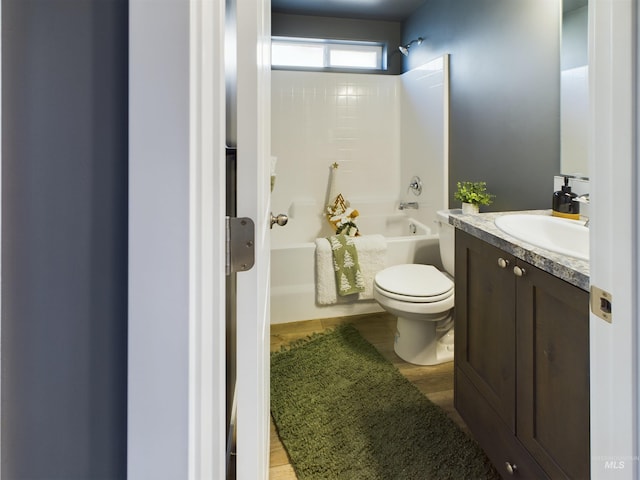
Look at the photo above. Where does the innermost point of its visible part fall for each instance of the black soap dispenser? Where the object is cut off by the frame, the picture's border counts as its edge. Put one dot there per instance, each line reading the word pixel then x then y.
pixel 565 203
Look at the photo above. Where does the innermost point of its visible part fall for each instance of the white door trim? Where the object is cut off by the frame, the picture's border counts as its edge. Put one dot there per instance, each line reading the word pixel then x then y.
pixel 176 404
pixel 614 259
pixel 159 257
pixel 207 401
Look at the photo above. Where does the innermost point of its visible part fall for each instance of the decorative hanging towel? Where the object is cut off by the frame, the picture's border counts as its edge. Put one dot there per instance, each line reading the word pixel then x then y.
pixel 338 210
pixel 349 279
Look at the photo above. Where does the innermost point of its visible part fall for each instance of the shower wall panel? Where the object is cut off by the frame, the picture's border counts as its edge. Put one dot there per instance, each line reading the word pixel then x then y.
pixel 424 137
pixel 321 118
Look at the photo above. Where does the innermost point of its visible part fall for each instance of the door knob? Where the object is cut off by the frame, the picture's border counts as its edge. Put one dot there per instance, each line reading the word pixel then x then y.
pixel 281 220
pixel 511 468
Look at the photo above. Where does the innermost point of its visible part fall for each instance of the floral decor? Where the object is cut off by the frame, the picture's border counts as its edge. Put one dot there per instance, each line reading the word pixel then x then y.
pixel 342 217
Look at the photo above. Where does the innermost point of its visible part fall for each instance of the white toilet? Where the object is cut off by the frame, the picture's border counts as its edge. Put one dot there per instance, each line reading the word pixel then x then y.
pixel 422 297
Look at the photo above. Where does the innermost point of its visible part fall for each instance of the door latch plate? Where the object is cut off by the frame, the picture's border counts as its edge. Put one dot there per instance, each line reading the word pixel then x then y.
pixel 240 248
pixel 601 303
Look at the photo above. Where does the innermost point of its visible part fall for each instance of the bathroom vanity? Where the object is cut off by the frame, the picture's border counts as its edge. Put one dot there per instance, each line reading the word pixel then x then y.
pixel 522 351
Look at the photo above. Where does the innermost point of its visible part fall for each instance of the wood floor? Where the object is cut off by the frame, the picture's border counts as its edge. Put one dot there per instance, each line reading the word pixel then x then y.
pixel 436 382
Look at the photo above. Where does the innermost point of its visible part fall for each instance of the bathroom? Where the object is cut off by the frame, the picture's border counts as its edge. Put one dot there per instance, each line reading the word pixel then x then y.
pixel 614 61
pixel 493 119
pixel 486 124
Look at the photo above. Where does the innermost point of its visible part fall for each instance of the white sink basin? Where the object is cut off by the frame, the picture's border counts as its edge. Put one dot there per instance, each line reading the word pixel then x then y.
pixel 567 237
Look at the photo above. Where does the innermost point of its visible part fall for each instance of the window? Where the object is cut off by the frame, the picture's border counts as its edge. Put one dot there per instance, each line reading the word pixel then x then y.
pixel 321 54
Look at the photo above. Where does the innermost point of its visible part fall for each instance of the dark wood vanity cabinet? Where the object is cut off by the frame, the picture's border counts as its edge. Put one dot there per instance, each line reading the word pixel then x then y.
pixel 521 363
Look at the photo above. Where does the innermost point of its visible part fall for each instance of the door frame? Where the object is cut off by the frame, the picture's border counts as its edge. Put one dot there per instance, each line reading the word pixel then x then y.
pixel 176 364
pixel 614 264
pixel 207 358
pixel 618 419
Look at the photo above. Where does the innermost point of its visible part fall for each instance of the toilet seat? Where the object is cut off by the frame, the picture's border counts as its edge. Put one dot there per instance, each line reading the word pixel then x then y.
pixel 414 283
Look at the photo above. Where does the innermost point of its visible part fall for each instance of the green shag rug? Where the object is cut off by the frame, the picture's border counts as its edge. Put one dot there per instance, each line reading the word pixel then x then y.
pixel 344 412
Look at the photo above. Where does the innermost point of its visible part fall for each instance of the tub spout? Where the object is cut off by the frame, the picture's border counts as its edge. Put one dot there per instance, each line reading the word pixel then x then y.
pixel 406 205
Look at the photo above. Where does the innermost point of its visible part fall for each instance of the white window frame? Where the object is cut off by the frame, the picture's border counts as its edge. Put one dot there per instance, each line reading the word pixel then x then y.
pixel 329 46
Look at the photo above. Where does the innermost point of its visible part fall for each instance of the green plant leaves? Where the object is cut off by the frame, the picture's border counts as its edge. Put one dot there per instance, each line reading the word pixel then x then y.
pixel 474 193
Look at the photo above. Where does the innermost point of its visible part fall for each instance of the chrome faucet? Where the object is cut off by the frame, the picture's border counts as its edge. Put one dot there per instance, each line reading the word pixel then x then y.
pixel 584 198
pixel 405 205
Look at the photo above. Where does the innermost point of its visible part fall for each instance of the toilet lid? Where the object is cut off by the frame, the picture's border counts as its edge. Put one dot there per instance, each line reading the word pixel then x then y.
pixel 414 280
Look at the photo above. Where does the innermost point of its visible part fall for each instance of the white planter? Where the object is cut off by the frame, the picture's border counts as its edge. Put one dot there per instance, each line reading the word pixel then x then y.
pixel 470 208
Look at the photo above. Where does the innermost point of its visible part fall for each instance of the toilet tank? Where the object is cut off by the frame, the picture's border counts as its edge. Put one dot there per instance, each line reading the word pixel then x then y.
pixel 447 239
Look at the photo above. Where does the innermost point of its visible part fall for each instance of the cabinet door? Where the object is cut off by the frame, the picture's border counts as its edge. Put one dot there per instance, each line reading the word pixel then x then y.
pixel 484 322
pixel 553 372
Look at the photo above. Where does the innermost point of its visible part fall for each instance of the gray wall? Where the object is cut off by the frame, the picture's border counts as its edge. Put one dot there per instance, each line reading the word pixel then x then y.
pixel 387 32
pixel 64 239
pixel 505 92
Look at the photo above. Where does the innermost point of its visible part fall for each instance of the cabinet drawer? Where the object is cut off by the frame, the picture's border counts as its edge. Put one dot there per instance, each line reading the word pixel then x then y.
pixel 490 431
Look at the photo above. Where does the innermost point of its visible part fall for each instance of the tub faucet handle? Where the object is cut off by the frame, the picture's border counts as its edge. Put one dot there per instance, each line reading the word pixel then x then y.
pixel 415 185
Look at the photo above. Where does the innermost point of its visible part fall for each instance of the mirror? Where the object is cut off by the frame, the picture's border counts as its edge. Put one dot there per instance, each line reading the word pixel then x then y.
pixel 574 91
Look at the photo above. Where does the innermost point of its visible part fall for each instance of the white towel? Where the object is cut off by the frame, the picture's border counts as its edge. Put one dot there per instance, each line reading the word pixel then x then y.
pixel 372 252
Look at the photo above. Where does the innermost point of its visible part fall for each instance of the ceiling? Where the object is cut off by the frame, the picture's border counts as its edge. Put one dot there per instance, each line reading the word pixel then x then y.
pixel 392 10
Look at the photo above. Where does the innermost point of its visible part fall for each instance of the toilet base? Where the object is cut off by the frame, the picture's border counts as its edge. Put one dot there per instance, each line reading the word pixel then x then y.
pixel 425 342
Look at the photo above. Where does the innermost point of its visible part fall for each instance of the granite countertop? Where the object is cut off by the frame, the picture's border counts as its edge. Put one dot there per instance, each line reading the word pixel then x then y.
pixel 482 226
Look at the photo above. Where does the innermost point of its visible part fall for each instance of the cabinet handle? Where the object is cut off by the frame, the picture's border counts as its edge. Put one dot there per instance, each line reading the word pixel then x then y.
pixel 511 468
pixel 502 263
pixel 519 272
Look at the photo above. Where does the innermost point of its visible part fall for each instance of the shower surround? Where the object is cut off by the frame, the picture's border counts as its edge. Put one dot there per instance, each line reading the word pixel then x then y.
pixel 380 129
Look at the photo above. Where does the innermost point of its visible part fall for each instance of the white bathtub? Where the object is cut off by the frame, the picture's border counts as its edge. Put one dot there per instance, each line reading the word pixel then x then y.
pixel 293 296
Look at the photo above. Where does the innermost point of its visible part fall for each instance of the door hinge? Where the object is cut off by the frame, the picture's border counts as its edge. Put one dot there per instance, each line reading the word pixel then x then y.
pixel 240 245
pixel 601 303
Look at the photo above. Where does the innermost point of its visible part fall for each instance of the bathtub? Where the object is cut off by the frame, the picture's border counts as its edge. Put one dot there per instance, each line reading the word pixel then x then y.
pixel 293 295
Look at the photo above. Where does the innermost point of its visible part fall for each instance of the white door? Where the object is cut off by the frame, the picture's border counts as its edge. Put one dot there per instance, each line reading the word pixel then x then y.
pixel 253 200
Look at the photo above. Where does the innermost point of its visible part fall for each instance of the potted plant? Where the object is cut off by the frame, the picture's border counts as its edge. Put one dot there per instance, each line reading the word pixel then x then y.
pixel 472 195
